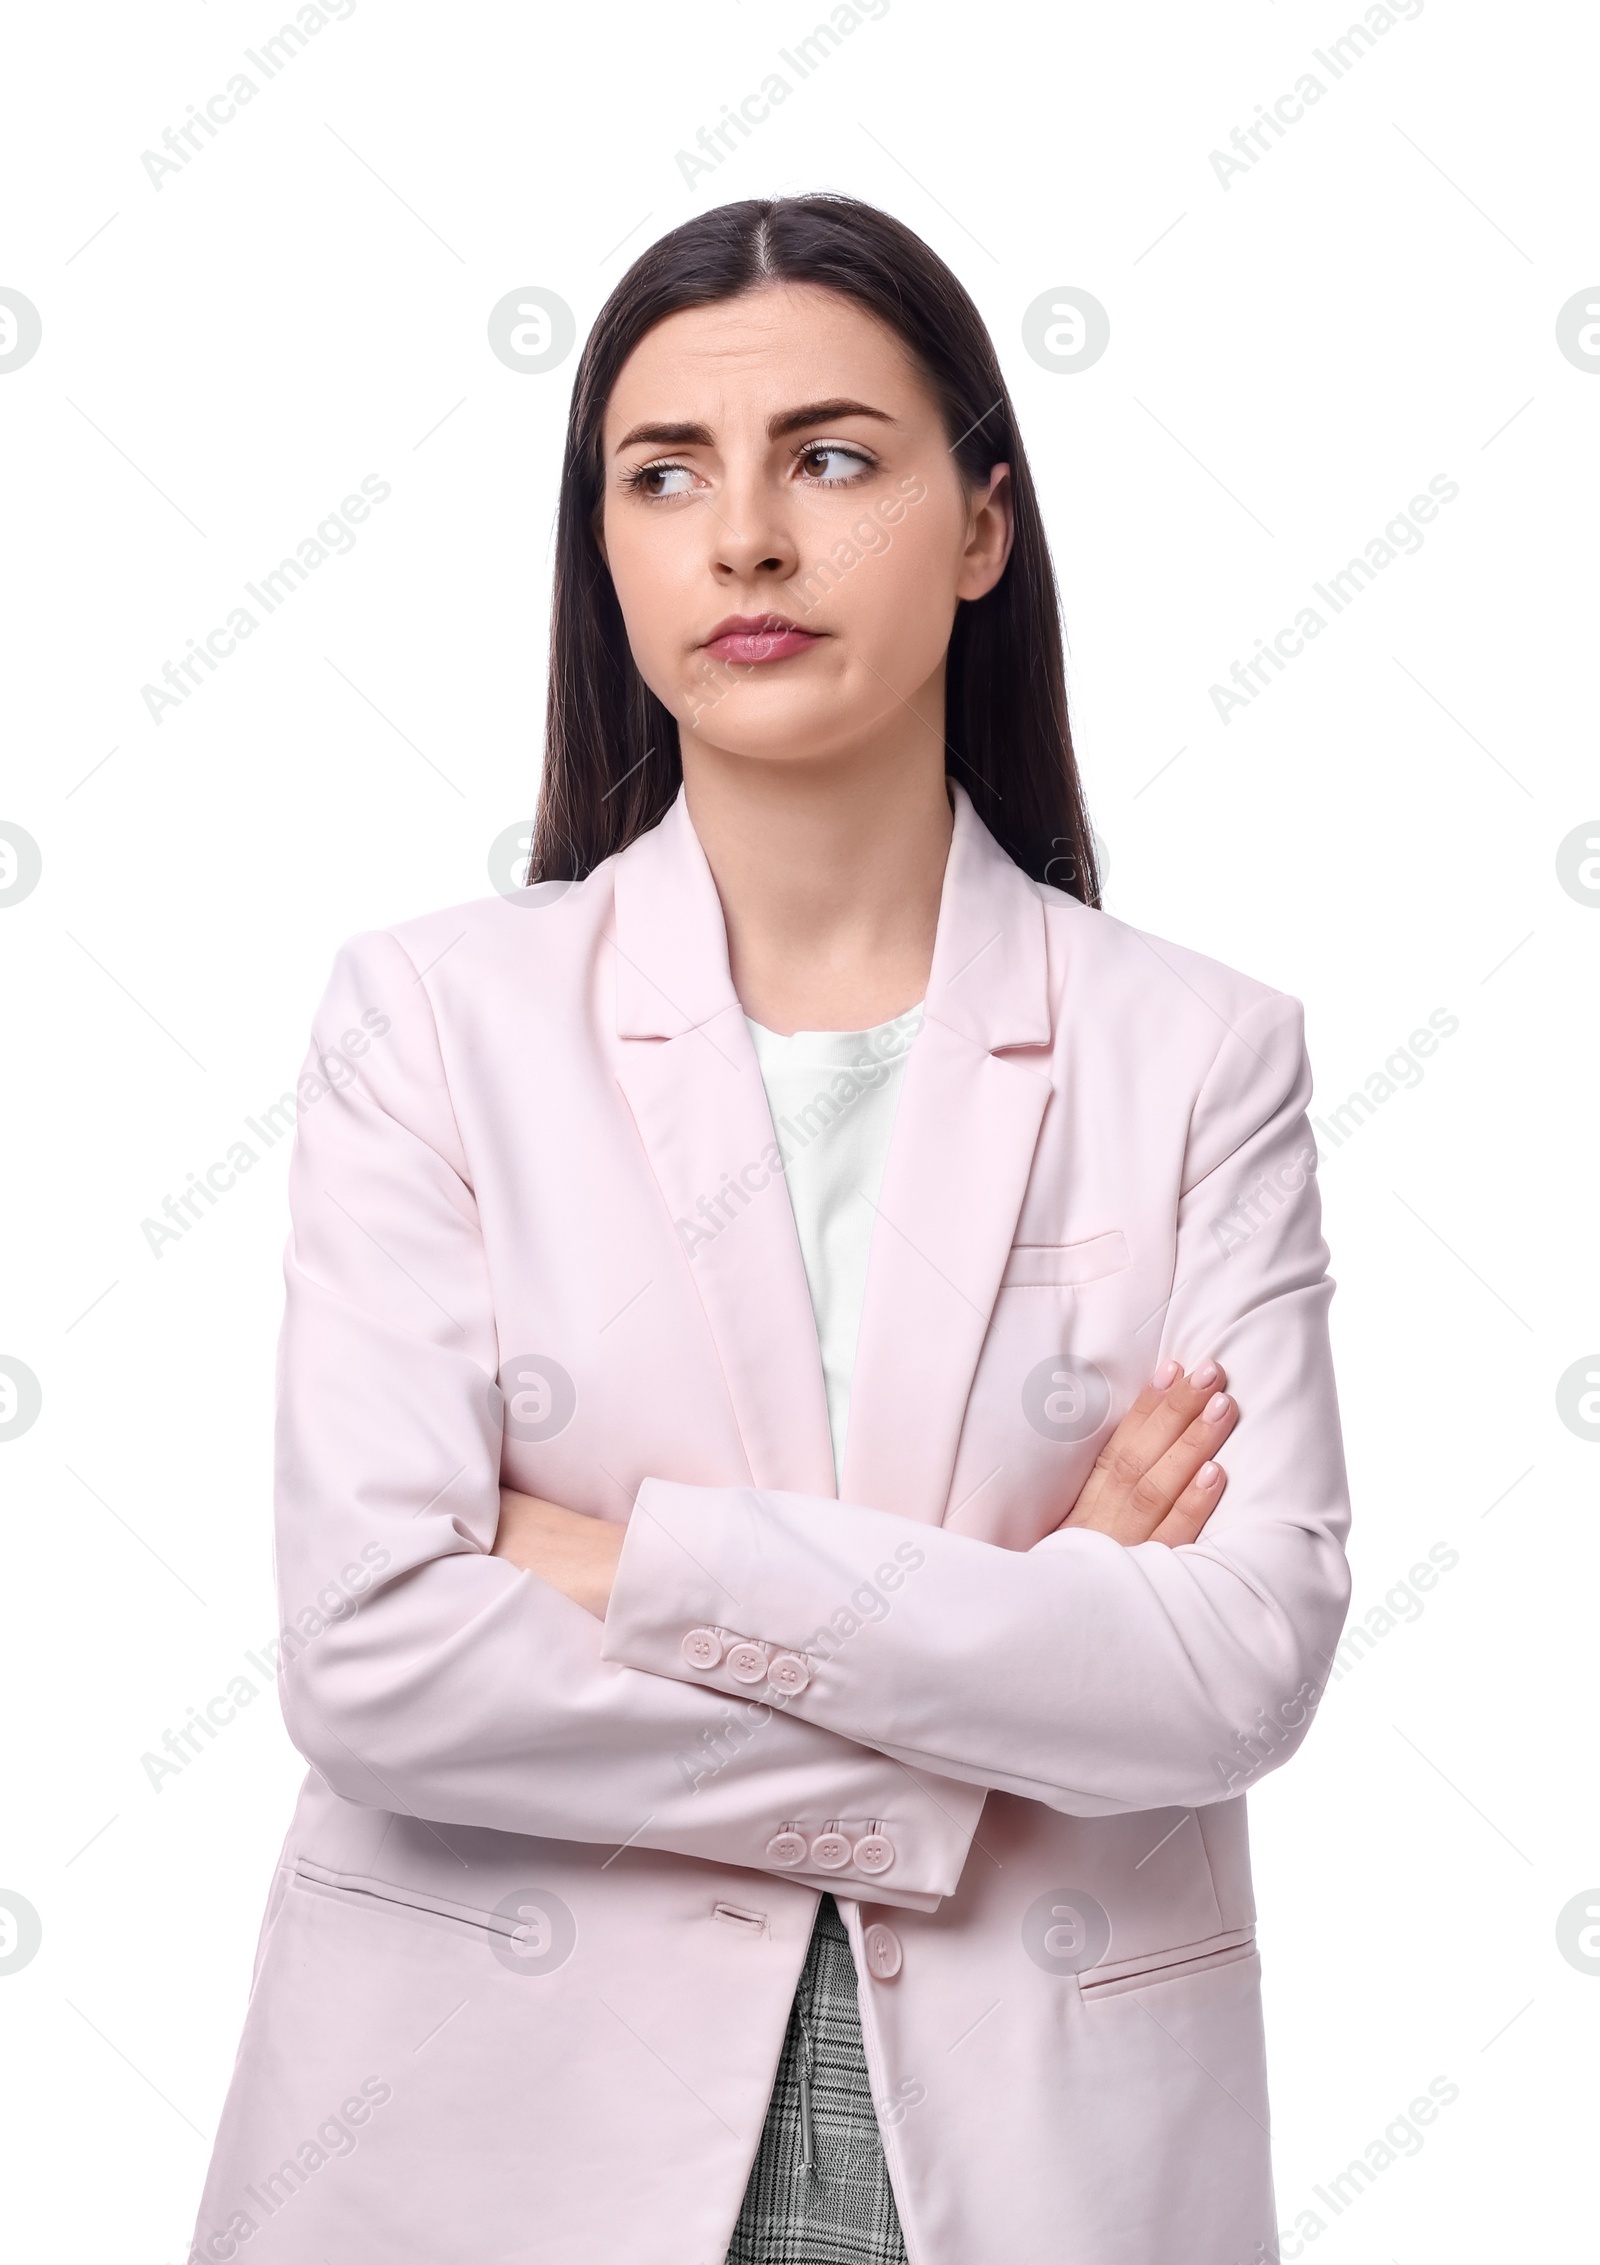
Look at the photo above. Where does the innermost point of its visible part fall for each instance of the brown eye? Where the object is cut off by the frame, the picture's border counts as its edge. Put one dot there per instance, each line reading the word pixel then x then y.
pixel 650 480
pixel 829 464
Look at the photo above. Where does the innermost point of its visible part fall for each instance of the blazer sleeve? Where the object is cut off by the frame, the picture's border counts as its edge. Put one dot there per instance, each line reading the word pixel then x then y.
pixel 418 1672
pixel 1089 1676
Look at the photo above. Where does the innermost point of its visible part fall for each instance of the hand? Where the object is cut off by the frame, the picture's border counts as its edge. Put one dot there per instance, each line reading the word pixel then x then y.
pixel 1155 1479
pixel 574 1553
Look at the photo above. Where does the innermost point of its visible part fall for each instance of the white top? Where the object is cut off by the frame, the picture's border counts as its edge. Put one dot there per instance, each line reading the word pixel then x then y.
pixel 833 1095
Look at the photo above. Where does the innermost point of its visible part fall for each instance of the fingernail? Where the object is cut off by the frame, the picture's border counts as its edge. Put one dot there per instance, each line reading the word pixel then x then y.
pixel 1206 1374
pixel 1207 1475
pixel 1168 1373
pixel 1216 1407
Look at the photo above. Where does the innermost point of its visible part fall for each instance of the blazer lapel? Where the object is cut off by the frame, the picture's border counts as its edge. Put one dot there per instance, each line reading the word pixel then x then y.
pixel 690 1076
pixel 963 1143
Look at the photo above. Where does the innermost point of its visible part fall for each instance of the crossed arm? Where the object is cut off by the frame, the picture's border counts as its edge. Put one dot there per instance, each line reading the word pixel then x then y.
pixel 1167 1641
pixel 1156 1479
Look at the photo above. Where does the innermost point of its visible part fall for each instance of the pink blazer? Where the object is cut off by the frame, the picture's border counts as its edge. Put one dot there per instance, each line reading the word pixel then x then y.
pixel 529 1952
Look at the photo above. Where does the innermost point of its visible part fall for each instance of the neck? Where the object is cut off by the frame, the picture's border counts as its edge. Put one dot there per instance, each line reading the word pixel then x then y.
pixel 829 872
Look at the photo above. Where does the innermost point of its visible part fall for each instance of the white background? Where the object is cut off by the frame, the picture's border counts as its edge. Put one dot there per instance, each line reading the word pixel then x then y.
pixel 1292 357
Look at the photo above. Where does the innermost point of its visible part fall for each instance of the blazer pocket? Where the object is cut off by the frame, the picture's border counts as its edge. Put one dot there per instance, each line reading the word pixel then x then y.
pixel 1041 1266
pixel 1115 1976
pixel 387 1895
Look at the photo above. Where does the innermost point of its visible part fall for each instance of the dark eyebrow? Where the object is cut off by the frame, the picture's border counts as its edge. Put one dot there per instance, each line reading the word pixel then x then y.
pixel 666 436
pixel 791 421
pixel 822 413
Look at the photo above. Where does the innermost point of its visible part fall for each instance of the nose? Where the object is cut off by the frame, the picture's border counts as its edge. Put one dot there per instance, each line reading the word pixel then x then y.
pixel 751 536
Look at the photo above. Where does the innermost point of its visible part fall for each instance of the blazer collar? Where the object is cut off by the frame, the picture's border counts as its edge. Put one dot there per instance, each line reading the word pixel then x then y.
pixel 672 944
pixel 988 979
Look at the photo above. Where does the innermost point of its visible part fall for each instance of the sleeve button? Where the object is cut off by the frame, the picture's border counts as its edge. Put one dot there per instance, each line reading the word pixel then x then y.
pixel 830 1850
pixel 789 1672
pixel 702 1648
pixel 787 1848
pixel 747 1663
pixel 874 1852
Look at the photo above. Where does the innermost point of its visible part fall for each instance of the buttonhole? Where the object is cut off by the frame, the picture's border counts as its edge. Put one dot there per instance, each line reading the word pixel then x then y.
pixel 753 1922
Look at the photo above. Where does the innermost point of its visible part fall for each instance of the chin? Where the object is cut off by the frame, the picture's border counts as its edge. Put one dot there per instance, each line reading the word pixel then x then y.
pixel 770 727
pixel 788 748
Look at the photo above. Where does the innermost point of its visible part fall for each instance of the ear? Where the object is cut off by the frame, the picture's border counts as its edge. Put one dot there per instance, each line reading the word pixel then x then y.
pixel 991 530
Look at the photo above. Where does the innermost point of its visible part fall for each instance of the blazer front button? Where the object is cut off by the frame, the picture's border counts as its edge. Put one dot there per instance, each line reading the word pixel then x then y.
pixel 882 1946
pixel 787 1848
pixel 747 1663
pixel 789 1672
pixel 874 1852
pixel 831 1850
pixel 702 1648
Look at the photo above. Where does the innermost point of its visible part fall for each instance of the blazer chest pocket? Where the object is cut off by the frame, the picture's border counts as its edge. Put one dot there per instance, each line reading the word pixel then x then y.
pixel 1046 1266
pixel 1116 1976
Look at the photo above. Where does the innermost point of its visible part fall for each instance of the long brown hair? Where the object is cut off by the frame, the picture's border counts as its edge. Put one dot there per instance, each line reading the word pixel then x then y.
pixel 611 766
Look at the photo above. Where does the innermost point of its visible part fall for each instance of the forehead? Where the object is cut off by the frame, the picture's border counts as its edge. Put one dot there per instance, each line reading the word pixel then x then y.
pixel 744 359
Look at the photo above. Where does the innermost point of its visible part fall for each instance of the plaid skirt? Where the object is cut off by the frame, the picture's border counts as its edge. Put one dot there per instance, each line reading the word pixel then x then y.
pixel 819 2190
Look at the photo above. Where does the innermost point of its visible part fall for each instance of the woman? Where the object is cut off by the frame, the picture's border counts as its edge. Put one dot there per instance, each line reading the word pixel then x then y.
pixel 787 1669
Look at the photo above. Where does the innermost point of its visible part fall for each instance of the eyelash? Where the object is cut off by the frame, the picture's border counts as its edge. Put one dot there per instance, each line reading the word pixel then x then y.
pixel 634 481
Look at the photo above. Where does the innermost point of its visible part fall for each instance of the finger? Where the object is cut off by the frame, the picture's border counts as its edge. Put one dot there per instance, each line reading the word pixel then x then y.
pixel 1119 1463
pixel 1167 1403
pixel 1193 1507
pixel 1179 1404
pixel 1146 1433
pixel 1138 1414
pixel 1146 1430
pixel 1201 1440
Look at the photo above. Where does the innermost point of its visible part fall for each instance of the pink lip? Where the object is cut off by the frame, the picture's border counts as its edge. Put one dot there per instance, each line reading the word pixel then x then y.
pixel 761 637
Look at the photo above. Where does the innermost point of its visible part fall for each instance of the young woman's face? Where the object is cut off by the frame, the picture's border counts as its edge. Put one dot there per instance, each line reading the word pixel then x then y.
pixel 786 526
